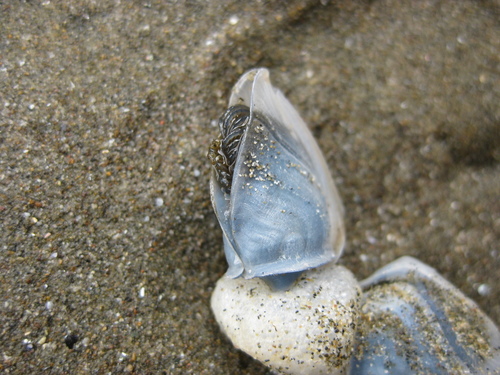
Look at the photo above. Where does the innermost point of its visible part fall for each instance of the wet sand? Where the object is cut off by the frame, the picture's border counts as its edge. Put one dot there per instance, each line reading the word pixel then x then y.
pixel 110 249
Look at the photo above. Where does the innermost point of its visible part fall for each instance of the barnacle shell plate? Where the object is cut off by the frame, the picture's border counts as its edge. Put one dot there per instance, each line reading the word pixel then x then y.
pixel 283 214
pixel 415 322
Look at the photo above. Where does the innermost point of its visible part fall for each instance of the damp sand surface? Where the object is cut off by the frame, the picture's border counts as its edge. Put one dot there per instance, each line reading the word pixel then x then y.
pixel 109 246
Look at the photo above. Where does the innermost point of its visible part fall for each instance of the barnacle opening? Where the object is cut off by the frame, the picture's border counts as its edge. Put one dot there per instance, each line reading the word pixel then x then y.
pixel 223 151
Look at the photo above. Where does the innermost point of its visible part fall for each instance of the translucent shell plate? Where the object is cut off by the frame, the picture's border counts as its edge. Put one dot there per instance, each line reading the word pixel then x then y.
pixel 283 214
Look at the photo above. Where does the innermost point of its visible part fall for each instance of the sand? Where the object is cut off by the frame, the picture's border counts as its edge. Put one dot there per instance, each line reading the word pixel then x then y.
pixel 109 246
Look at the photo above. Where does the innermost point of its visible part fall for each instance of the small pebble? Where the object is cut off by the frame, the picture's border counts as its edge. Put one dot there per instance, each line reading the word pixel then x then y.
pixel 291 331
pixel 484 289
pixel 233 20
pixel 70 341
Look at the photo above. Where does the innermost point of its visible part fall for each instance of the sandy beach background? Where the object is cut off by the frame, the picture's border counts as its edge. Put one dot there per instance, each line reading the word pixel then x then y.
pixel 109 247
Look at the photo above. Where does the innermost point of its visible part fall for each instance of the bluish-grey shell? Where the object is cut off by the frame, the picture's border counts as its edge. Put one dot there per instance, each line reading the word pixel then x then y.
pixel 273 195
pixel 416 322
